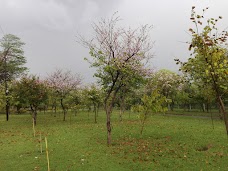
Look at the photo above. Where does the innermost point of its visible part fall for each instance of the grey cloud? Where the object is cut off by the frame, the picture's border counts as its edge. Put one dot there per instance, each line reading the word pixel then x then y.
pixel 51 14
pixel 49 28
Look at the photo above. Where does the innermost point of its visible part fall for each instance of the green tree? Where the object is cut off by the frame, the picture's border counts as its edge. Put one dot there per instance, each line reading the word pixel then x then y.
pixel 12 62
pixel 204 95
pixel 53 98
pixel 152 103
pixel 183 97
pixel 209 60
pixel 31 91
pixel 75 100
pixel 94 96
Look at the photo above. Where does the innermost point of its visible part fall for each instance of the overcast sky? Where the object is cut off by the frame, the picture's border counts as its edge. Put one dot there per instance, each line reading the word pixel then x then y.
pixel 49 28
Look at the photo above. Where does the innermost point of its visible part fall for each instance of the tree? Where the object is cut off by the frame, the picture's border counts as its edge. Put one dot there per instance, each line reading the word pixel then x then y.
pixel 93 94
pixel 75 100
pixel 152 103
pixel 62 83
pixel 209 63
pixel 167 82
pixel 12 62
pixel 52 99
pixel 203 95
pixel 30 91
pixel 120 56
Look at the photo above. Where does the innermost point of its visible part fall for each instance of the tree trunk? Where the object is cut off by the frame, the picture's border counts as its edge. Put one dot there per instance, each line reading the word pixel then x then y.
pixel 7 99
pixel 221 104
pixel 109 138
pixel 98 107
pixel 64 110
pixel 169 108
pixel 120 114
pixel 95 116
pixel 45 108
pixel 122 108
pixel 64 115
pixel 220 114
pixel 55 110
pixel 34 114
pixel 7 109
pixel 6 86
pixel 75 112
pixel 108 109
pixel 207 107
pixel 218 94
pixel 142 127
pixel 95 112
pixel 190 107
pixel 204 107
pixel 143 122
pixel 222 107
pixel 18 109
pixel 172 105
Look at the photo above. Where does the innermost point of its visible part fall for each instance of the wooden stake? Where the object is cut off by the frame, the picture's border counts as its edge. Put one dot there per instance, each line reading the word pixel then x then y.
pixel 47 154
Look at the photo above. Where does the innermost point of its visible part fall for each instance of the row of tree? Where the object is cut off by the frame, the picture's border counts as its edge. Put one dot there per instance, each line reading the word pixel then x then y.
pixel 121 57
pixel 62 90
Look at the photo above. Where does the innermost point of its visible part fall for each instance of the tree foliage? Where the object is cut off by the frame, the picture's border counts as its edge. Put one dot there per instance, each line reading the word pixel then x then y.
pixel 12 58
pixel 31 92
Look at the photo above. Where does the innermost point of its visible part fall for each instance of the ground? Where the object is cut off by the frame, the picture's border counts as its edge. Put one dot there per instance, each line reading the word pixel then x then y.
pixel 167 143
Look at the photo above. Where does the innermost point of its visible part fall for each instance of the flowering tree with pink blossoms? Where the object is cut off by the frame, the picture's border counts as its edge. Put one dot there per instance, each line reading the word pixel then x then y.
pixel 120 56
pixel 62 83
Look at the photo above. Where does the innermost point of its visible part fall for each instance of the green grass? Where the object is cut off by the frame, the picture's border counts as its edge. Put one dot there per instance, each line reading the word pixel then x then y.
pixel 195 112
pixel 168 143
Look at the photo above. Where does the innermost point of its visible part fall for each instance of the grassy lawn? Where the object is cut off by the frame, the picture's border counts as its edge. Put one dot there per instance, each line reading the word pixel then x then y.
pixel 167 143
pixel 195 112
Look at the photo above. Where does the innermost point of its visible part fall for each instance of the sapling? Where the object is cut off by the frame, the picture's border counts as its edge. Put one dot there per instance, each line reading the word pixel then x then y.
pixel 153 103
